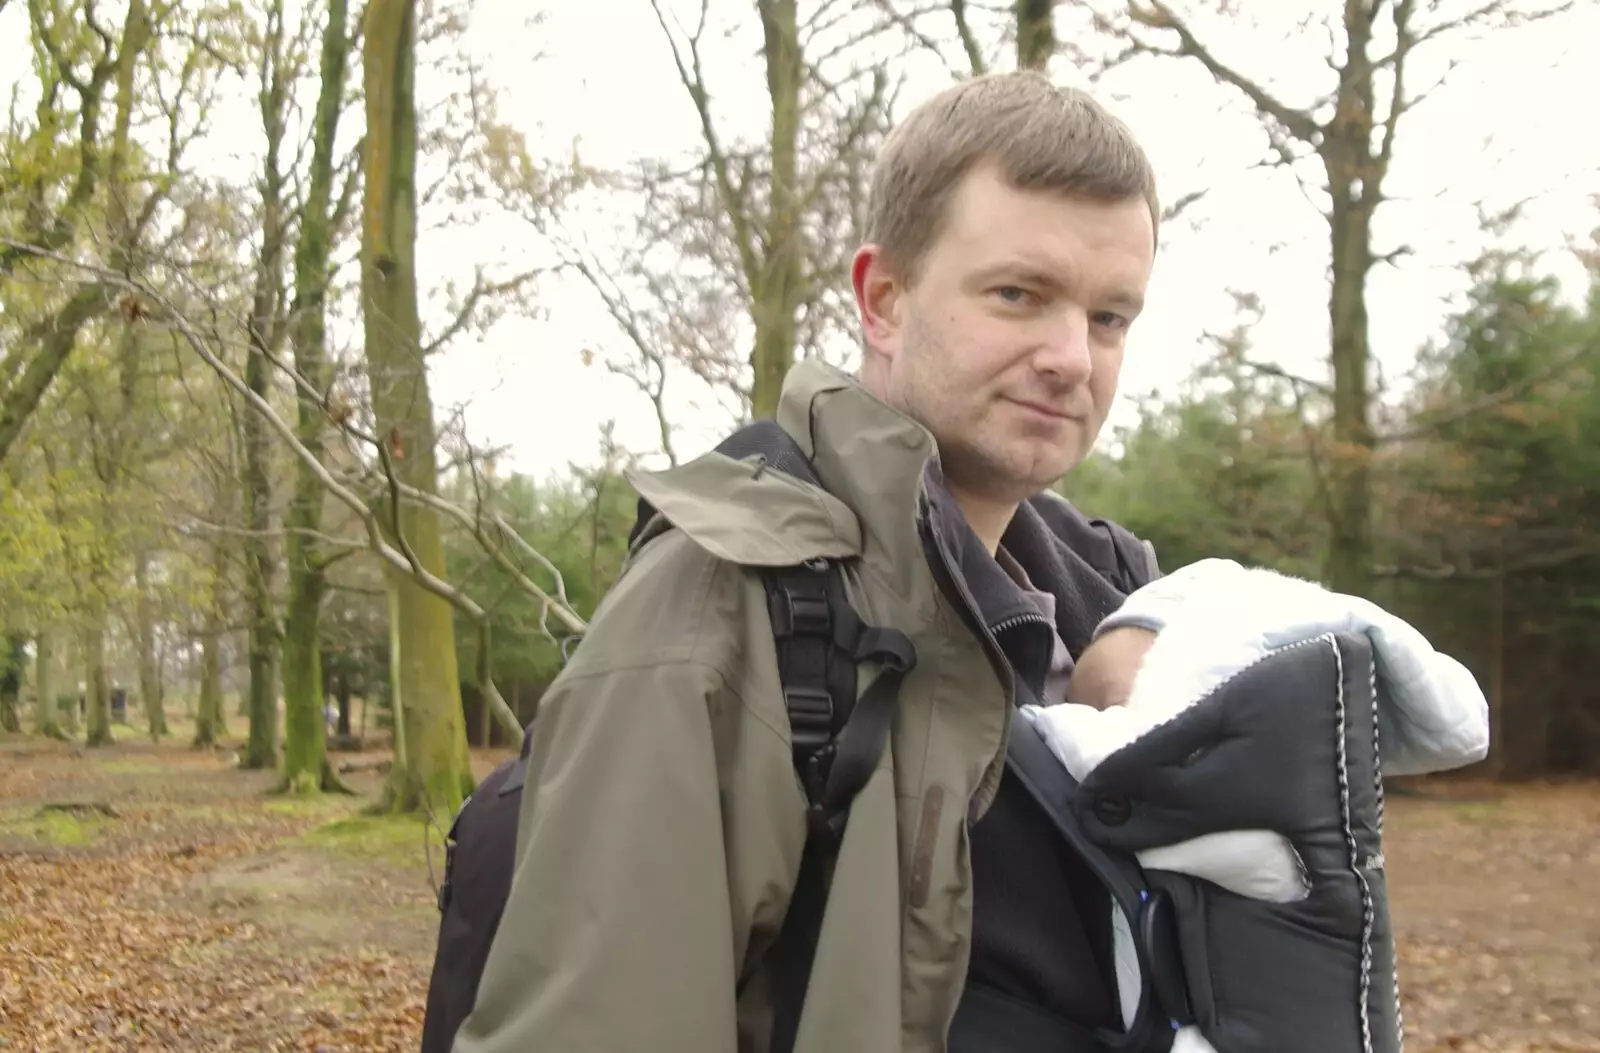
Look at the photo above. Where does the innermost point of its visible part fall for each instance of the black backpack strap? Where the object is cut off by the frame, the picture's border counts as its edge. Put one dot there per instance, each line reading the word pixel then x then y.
pixel 837 739
pixel 837 743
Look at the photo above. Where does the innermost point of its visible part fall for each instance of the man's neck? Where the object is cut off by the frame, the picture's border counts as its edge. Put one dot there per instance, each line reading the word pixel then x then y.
pixel 987 519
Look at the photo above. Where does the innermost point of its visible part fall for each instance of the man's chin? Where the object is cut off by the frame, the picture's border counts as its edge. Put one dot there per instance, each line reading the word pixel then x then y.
pixel 1018 483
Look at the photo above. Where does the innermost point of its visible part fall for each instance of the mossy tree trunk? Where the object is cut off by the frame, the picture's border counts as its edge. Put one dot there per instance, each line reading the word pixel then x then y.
pixel 306 762
pixel 265 337
pixel 210 721
pixel 13 669
pixel 1036 34
pixel 150 688
pixel 95 686
pixel 431 769
pixel 48 719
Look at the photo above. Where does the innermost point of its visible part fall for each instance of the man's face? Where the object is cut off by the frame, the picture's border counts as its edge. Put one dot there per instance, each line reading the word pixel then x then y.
pixel 1008 345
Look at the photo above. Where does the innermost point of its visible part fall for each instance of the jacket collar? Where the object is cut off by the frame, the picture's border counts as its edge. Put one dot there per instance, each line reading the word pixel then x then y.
pixel 883 465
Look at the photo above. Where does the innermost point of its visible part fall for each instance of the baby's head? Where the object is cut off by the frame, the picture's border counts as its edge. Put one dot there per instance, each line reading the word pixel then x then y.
pixel 1106 670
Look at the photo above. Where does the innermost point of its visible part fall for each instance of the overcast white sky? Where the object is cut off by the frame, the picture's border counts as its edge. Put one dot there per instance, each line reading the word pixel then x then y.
pixel 1511 124
pixel 1515 121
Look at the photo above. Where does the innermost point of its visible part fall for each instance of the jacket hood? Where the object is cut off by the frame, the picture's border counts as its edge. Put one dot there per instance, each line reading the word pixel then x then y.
pixel 870 457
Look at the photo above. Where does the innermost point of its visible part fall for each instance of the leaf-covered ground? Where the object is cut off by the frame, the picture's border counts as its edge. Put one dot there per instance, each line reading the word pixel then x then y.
pixel 207 915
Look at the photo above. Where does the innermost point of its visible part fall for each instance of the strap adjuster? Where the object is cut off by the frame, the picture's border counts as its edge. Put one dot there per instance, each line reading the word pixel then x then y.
pixel 810 716
pixel 807 615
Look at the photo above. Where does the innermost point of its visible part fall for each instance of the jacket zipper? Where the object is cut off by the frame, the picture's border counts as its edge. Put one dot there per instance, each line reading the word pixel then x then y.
pixel 957 589
pixel 1020 619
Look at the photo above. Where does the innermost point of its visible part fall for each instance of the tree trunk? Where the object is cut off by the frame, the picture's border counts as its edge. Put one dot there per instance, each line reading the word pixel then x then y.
pixel 306 764
pixel 13 669
pixel 260 563
pixel 305 730
pixel 1497 666
pixel 98 703
pixel 343 728
pixel 1036 34
pixel 48 719
pixel 150 687
pixel 124 434
pixel 431 770
pixel 210 722
pixel 72 643
pixel 1355 174
pixel 777 291
pixel 206 730
pixel 261 706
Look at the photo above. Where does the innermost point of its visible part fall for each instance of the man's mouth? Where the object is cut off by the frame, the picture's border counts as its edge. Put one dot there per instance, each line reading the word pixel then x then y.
pixel 1045 410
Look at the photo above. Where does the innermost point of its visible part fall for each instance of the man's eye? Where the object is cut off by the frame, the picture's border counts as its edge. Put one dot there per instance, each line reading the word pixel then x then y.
pixel 1012 293
pixel 1110 320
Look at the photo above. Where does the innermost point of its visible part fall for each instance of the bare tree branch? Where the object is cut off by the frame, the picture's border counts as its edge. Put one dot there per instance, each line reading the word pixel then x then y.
pixel 1158 16
pixel 1270 370
pixel 692 76
pixel 490 530
pixel 469 306
pixel 906 22
pixel 969 43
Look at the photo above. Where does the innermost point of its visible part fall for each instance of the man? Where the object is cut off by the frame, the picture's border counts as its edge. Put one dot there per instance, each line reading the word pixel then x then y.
pixel 1011 235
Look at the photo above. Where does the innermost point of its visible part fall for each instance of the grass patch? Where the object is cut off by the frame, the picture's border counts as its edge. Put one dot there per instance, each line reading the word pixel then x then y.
pixel 59 829
pixel 309 806
pixel 1480 813
pixel 396 839
pixel 133 766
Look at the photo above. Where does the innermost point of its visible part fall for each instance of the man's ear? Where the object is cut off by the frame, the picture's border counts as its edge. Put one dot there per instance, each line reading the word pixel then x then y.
pixel 879 299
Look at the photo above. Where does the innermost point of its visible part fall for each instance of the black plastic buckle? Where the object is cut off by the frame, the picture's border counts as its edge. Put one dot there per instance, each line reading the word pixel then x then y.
pixel 807 615
pixel 810 717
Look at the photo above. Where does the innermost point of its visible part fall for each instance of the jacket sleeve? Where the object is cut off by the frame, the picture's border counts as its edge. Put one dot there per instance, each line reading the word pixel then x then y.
pixel 626 926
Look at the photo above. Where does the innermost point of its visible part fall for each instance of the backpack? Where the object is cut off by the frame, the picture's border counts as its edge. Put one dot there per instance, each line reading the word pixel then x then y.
pixel 837 741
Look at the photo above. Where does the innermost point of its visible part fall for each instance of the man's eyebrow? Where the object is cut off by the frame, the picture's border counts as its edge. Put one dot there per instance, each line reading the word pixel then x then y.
pixel 1131 302
pixel 1016 270
pixel 1031 273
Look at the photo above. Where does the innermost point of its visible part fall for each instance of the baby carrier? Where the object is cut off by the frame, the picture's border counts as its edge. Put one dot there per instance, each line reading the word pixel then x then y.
pixel 1189 956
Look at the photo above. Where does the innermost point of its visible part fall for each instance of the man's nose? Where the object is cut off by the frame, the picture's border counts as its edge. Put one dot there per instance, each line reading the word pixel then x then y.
pixel 1063 350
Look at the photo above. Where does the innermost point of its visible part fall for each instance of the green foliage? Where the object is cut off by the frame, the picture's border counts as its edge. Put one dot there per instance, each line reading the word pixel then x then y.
pixel 580 525
pixel 1220 471
pixel 1486 489
pixel 1505 465
pixel 29 547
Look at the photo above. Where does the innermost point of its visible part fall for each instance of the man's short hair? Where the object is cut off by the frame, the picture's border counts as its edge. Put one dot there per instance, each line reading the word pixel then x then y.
pixel 1037 135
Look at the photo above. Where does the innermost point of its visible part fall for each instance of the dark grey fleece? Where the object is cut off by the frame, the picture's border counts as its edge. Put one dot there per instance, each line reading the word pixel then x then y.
pixel 1041 919
pixel 1063 554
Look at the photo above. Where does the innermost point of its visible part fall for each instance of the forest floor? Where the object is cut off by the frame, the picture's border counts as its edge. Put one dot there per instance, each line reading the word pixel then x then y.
pixel 208 915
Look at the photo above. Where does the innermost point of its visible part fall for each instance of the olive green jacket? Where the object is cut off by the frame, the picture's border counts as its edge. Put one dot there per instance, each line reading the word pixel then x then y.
pixel 662 821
